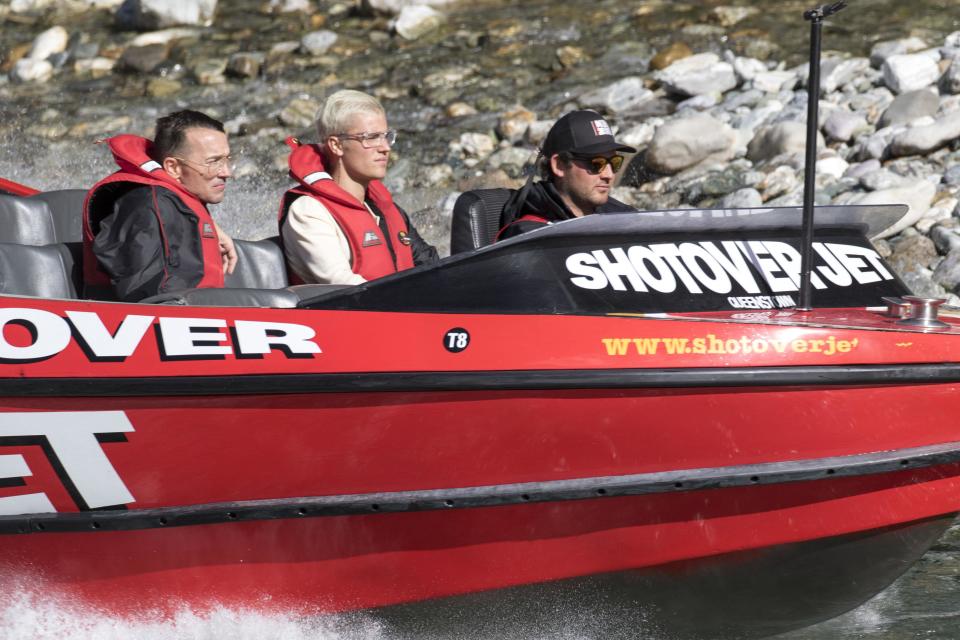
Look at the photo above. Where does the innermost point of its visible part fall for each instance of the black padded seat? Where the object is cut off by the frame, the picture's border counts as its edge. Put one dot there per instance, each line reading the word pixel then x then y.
pixel 260 265
pixel 66 208
pixel 477 217
pixel 269 298
pixel 26 221
pixel 46 271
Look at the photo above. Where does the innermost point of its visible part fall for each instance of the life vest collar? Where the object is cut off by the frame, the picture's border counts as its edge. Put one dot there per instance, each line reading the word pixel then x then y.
pixel 133 155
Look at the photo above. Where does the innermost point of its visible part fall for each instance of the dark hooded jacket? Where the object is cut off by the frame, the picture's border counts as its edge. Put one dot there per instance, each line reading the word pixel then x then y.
pixel 543 201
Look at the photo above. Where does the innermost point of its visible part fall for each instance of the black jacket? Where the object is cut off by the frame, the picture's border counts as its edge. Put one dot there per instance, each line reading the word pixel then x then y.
pixel 140 260
pixel 543 200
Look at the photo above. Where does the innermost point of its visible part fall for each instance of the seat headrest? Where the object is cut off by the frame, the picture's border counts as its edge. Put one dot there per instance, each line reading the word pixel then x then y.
pixel 66 209
pixel 477 218
pixel 26 221
pixel 260 265
pixel 42 271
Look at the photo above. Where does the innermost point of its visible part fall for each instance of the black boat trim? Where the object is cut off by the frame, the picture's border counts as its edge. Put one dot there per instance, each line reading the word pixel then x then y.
pixel 503 380
pixel 763 474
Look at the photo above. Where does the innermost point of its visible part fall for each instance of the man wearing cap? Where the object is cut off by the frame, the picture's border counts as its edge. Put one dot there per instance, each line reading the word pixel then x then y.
pixel 577 165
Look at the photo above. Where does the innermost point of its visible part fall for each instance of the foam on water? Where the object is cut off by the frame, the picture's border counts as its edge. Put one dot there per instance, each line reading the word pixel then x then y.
pixel 33 616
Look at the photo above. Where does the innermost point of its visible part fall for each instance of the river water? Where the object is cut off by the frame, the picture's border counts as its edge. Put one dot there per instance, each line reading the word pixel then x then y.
pixel 924 603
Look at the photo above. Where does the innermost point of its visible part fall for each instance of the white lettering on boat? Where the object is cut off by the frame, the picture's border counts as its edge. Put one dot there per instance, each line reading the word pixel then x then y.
pixel 70 441
pixel 721 267
pixel 48 334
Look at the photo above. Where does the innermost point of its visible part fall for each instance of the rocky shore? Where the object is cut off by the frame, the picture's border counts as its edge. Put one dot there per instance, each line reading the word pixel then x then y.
pixel 715 104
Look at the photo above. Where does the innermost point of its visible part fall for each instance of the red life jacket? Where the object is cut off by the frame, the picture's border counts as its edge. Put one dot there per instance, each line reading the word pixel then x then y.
pixel 369 254
pixel 138 168
pixel 524 218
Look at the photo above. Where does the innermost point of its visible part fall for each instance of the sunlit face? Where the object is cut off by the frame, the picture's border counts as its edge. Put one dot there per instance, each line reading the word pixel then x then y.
pixel 585 188
pixel 362 164
pixel 202 165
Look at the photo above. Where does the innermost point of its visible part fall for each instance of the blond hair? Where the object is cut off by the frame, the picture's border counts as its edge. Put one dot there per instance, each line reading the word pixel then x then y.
pixel 339 108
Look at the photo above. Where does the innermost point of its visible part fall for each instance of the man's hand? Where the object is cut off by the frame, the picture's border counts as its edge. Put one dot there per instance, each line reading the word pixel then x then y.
pixel 227 250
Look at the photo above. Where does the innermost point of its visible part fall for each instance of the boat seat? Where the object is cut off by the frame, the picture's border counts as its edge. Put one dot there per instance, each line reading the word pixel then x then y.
pixel 477 217
pixel 46 271
pixel 311 291
pixel 26 221
pixel 236 297
pixel 260 265
pixel 66 209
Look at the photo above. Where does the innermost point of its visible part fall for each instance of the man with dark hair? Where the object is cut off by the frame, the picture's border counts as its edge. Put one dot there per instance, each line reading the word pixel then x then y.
pixel 577 165
pixel 146 228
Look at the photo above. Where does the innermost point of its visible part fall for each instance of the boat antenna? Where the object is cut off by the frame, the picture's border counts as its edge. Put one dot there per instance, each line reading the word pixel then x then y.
pixel 815 16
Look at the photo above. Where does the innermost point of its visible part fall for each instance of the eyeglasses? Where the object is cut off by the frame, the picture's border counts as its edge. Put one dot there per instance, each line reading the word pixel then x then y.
pixel 599 163
pixel 211 167
pixel 371 140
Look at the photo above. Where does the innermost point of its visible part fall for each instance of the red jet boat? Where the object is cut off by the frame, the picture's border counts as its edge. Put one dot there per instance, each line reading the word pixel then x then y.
pixel 618 425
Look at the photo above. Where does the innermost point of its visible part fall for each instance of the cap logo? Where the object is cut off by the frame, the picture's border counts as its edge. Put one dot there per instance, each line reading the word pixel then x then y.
pixel 601 128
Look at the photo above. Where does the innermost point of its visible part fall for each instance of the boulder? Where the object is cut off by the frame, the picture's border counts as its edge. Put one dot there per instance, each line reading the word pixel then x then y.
pixel 53 40
pixel 416 21
pixel 780 138
pixel 513 124
pixel 842 125
pixel 245 64
pixel 909 106
pixel 883 50
pixel 29 70
pixel 921 140
pixel 144 59
pixel 917 195
pixel 317 43
pixel 950 81
pixel 837 72
pixel 666 57
pixel 145 15
pixel 908 72
pixel 699 74
pixel 623 96
pixel 396 6
pixel 745 198
pixel 685 142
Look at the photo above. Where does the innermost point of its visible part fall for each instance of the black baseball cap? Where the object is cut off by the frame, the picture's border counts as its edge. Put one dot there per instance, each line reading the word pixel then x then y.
pixel 582 133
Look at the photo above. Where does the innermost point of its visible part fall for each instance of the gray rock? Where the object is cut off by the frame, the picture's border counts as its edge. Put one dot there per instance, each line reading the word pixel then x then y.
pixel 780 181
pixel 245 64
pixel 746 68
pixel 780 138
pixel 29 70
pixel 883 179
pixel 883 50
pixel 860 169
pixel 947 273
pixel 951 176
pixel 416 21
pixel 144 59
pixel 875 145
pixel 842 125
pixel 317 43
pixel 921 140
pixel 917 195
pixel 742 199
pixel 156 14
pixel 727 16
pixel 685 142
pixel 836 72
pixel 909 106
pixel 698 103
pixel 908 72
pixel 513 124
pixel 946 235
pixel 53 40
pixel 774 81
pixel 697 75
pixel 914 251
pixel 164 36
pixel 950 81
pixel 29 6
pixel 623 96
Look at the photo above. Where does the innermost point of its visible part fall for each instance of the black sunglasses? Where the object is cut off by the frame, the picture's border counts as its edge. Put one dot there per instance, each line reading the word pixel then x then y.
pixel 599 163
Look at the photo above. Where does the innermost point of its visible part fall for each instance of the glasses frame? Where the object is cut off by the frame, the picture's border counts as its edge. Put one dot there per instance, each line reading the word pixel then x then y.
pixel 599 163
pixel 370 140
pixel 211 168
